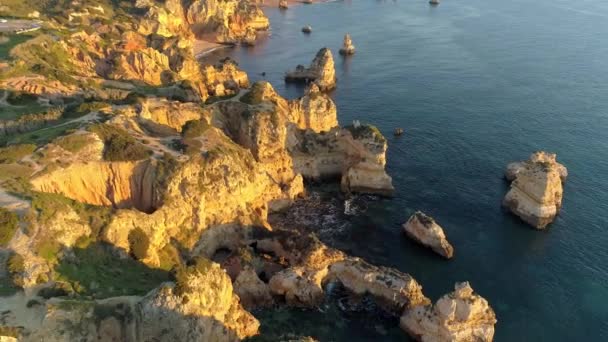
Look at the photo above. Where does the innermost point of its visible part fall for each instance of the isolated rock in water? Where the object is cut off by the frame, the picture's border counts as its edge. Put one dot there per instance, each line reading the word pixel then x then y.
pixel 427 232
pixel 390 288
pixel 457 316
pixel 366 156
pixel 321 71
pixel 347 47
pixel 307 29
pixel 536 194
pixel 283 4
pixel 537 157
pixel 252 291
pixel 434 2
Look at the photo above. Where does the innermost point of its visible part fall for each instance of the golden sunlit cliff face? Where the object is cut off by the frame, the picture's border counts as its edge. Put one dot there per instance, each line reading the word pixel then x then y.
pixel 150 163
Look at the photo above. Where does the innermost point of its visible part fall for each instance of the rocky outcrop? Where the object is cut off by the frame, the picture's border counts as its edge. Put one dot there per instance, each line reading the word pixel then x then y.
pixel 252 291
pixel 230 21
pixel 392 289
pixel 321 71
pixel 347 46
pixel 283 4
pixel 424 230
pixel 458 316
pixel 536 194
pixel 201 306
pixel 313 265
pixel 173 114
pixel 314 111
pixel 224 78
pixel 514 168
pixel 301 136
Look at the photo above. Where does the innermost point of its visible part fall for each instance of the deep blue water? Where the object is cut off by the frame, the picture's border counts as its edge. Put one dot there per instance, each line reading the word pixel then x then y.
pixel 476 85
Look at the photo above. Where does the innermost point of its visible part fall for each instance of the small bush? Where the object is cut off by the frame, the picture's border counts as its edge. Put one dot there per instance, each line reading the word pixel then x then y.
pixel 14 153
pixel 194 128
pixel 73 142
pixel 119 145
pixel 139 243
pixel 16 266
pixel 9 222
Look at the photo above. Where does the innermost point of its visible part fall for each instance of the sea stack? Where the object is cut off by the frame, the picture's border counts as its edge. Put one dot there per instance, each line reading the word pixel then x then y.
pixel 321 71
pixel 347 47
pixel 536 194
pixel 457 316
pixel 283 4
pixel 424 230
pixel 539 156
pixel 307 29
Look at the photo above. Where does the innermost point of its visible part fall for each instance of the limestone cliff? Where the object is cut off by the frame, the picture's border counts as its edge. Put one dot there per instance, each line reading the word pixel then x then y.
pixel 536 194
pixel 458 316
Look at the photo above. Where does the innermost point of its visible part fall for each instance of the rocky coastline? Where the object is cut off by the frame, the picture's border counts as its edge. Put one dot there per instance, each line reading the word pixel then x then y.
pixel 151 190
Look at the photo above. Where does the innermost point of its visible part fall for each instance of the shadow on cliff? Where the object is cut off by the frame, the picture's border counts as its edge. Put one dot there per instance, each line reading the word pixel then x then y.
pixel 101 270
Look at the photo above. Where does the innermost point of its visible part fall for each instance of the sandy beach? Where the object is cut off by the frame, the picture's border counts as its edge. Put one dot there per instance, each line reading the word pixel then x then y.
pixel 203 47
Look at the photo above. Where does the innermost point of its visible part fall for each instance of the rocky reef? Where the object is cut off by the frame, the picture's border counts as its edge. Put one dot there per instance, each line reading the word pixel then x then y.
pixel 321 71
pixel 424 230
pixel 536 193
pixel 457 316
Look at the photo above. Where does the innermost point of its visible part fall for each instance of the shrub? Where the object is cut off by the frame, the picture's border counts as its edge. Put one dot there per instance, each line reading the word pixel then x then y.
pixel 73 142
pixel 139 243
pixel 78 110
pixel 16 266
pixel 194 128
pixel 9 222
pixel 119 145
pixel 14 153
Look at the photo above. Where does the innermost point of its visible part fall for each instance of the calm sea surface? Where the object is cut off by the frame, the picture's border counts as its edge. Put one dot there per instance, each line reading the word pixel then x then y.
pixel 475 85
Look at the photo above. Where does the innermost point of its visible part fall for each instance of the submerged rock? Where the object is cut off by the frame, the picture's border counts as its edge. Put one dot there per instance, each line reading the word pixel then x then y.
pixel 347 47
pixel 536 194
pixel 457 316
pixel 424 230
pixel 321 71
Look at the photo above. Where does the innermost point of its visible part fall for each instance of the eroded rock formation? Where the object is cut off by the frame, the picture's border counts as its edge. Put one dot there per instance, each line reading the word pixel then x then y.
pixel 536 193
pixel 457 316
pixel 424 230
pixel 514 168
pixel 347 46
pixel 321 71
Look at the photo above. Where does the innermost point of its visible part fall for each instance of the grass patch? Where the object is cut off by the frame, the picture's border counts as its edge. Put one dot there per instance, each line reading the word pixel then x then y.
pixel 73 142
pixel 39 137
pixel 119 145
pixel 9 222
pixel 194 128
pixel 14 153
pixel 13 40
pixel 366 132
pixel 96 271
